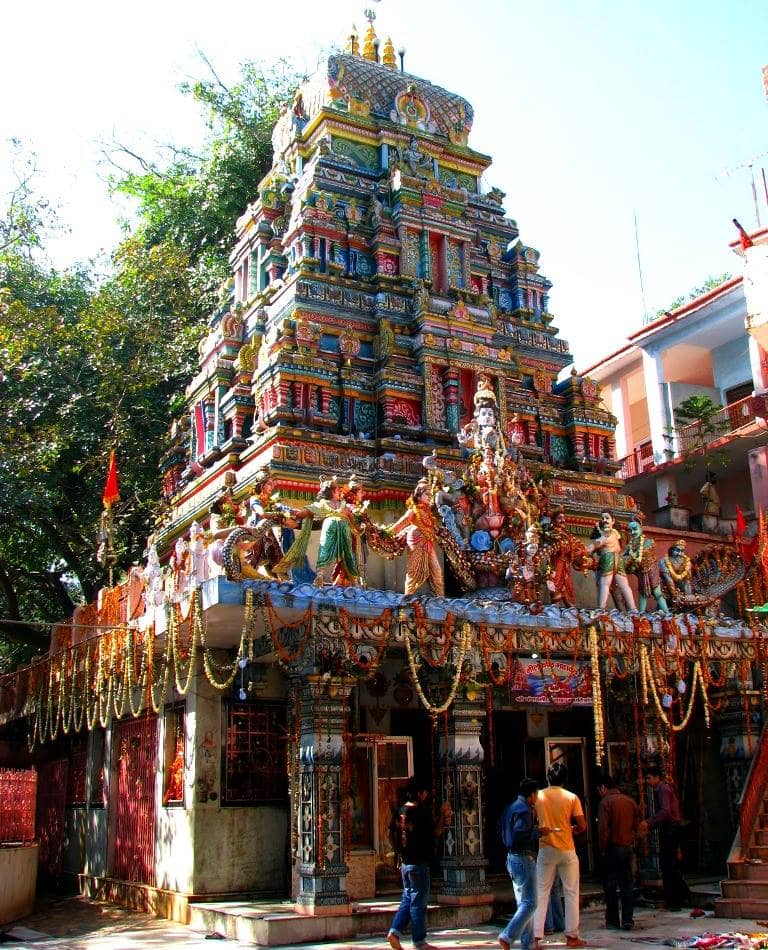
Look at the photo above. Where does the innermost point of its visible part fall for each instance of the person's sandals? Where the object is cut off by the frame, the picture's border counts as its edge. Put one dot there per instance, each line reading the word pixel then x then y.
pixel 575 941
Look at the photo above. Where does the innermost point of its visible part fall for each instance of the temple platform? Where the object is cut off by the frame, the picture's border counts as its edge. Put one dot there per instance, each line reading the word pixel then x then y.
pixel 276 923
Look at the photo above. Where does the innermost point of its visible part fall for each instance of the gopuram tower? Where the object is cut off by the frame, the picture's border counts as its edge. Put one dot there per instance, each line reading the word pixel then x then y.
pixel 373 284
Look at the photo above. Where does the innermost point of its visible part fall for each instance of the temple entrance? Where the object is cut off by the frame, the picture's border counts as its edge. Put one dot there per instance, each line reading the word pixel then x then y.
pixel 573 751
pixel 134 829
pixel 381 766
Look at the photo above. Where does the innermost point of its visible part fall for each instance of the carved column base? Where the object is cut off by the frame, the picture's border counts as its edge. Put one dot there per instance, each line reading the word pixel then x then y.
pixel 464 862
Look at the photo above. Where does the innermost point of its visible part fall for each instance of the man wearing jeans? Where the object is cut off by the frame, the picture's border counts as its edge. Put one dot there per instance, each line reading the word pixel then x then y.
pixel 413 834
pixel 521 838
pixel 617 824
pixel 560 811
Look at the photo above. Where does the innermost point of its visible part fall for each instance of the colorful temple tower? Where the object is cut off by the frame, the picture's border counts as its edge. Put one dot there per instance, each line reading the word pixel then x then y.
pixel 374 282
pixel 248 734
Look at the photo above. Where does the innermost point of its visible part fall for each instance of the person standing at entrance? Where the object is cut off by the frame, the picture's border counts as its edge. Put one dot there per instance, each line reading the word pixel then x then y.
pixel 561 811
pixel 413 834
pixel 667 819
pixel 521 839
pixel 617 825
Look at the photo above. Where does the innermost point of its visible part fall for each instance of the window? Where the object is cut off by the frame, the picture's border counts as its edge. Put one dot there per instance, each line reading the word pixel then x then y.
pixel 255 767
pixel 173 756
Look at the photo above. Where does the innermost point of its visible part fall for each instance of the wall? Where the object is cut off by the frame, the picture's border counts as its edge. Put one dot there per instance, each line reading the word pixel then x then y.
pixel 234 848
pixel 730 365
pixel 18 879
pixel 679 392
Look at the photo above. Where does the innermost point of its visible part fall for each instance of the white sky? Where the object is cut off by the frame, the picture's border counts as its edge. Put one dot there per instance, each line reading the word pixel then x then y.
pixel 593 111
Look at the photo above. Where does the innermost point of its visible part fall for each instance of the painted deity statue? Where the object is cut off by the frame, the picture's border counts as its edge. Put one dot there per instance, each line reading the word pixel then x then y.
pixel 341 539
pixel 639 559
pixel 338 547
pixel 611 569
pixel 453 506
pixel 226 512
pixel 483 431
pixel 525 581
pixel 675 572
pixel 565 554
pixel 266 518
pixel 418 527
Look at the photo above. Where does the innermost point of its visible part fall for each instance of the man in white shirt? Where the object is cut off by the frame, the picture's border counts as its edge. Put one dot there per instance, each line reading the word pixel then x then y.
pixel 561 811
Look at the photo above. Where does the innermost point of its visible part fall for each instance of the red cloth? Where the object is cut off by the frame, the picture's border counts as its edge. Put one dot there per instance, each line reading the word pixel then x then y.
pixel 111 491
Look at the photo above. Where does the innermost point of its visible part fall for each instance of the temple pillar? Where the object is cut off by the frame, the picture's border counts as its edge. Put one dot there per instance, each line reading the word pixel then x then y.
pixel 451 397
pixel 739 722
pixel 464 860
pixel 319 810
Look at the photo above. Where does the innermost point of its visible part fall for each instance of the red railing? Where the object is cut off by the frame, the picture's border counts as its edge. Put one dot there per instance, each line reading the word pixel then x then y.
pixel 753 792
pixel 18 795
pixel 726 421
pixel 639 461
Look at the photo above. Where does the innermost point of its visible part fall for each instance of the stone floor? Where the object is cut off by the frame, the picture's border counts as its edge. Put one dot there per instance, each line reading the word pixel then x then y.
pixel 76 923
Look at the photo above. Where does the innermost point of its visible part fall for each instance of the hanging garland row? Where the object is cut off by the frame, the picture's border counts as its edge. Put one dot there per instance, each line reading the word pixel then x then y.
pixel 122 672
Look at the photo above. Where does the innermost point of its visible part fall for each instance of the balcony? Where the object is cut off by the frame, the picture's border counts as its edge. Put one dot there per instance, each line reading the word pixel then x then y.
pixel 729 420
pixel 639 461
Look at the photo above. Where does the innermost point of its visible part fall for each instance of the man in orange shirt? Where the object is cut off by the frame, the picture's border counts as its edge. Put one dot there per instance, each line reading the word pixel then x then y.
pixel 560 811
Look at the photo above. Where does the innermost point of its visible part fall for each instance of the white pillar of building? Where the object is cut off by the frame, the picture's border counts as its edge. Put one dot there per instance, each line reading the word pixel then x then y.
pixel 620 409
pixel 658 415
pixel 758 475
pixel 759 375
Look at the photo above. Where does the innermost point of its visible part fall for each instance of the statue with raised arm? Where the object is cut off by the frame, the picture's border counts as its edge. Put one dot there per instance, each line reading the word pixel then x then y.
pixel 418 527
pixel 611 569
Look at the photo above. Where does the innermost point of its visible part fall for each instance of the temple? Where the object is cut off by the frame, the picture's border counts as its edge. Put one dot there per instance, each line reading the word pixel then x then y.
pixel 243 708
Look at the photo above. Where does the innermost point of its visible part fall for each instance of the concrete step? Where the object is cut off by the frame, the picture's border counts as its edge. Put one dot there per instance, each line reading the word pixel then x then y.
pixel 758 851
pixel 745 889
pixel 752 870
pixel 248 923
pixel 761 836
pixel 754 908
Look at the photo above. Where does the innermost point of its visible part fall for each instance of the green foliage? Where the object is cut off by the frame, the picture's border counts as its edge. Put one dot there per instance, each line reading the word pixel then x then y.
pixel 700 417
pixel 89 362
pixel 709 284
pixel 194 201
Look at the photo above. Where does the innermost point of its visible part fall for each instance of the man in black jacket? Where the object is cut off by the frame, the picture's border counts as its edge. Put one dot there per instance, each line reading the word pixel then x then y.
pixel 413 834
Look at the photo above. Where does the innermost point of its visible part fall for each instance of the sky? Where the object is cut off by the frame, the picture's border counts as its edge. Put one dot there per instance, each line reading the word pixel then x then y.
pixel 597 114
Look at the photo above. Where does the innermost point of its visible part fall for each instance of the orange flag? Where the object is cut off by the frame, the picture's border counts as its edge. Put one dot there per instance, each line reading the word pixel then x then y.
pixel 111 491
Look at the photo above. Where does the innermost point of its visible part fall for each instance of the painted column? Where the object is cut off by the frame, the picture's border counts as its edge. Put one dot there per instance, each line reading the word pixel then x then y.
pixel 658 413
pixel 321 814
pixel 620 409
pixel 463 861
pixel 451 396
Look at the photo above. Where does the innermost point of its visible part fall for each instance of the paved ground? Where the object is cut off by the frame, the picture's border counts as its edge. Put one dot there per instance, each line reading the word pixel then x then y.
pixel 79 924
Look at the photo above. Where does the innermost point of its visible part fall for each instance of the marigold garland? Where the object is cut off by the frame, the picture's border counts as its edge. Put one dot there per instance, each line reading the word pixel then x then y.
pixel 464 644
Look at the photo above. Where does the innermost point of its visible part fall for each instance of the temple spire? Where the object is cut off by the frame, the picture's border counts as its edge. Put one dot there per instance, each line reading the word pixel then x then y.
pixel 353 42
pixel 389 58
pixel 371 42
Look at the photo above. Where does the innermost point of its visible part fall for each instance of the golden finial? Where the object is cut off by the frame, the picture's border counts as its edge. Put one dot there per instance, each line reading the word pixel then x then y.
pixel 353 42
pixel 389 58
pixel 371 40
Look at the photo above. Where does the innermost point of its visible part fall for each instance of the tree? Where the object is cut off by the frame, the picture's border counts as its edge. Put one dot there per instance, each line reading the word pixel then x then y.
pixel 90 361
pixel 700 417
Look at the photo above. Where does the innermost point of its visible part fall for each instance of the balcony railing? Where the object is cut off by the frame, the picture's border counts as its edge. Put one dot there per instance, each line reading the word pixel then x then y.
pixel 723 423
pixel 639 461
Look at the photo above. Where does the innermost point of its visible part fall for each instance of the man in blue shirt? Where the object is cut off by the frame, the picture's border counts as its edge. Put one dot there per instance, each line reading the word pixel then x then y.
pixel 521 839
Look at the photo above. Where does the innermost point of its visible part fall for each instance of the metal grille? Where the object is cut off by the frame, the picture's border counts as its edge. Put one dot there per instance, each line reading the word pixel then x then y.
pixel 51 803
pixel 135 812
pixel 18 788
pixel 255 765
